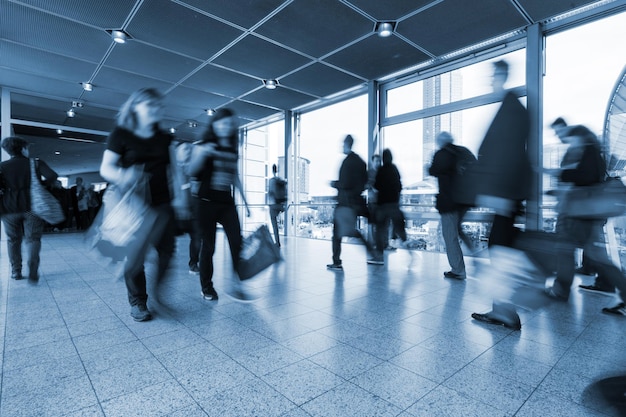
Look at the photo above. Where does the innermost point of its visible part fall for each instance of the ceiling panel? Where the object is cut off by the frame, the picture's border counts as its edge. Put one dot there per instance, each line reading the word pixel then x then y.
pixel 47 64
pixel 194 98
pixel 51 33
pixel 190 33
pixel 371 57
pixel 37 84
pixel 245 13
pixel 122 81
pixel 249 111
pixel 221 81
pixel 150 61
pixel 333 23
pixel 280 97
pixel 320 80
pixel 109 14
pixel 467 23
pixel 260 58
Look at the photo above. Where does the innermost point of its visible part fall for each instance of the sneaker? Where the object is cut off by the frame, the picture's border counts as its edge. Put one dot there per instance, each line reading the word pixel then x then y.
pixel 334 267
pixel 375 261
pixel 33 278
pixel 450 274
pixel 618 310
pixel 194 270
pixel 209 295
pixel 595 289
pixel 17 276
pixel 140 312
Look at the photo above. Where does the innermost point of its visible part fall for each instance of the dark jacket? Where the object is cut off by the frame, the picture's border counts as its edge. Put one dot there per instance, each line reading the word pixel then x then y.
pixel 503 167
pixel 352 181
pixel 586 168
pixel 15 183
pixel 444 168
pixel 388 184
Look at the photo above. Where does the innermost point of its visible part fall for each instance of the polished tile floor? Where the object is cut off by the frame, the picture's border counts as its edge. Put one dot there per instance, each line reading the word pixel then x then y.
pixel 369 341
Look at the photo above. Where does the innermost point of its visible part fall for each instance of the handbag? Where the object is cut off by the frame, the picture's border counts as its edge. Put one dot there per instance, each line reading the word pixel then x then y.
pixel 598 201
pixel 121 220
pixel 258 252
pixel 42 203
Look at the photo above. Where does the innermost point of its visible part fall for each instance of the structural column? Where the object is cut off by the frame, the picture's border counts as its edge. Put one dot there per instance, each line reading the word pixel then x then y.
pixel 535 62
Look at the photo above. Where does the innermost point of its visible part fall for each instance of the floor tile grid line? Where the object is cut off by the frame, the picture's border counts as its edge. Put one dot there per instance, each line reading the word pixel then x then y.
pixel 140 340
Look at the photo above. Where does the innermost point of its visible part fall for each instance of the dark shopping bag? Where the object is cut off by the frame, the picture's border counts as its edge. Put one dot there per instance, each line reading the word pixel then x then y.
pixel 258 252
pixel 599 201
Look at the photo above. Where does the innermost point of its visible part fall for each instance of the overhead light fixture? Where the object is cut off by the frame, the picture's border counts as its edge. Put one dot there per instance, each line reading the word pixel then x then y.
pixel 172 130
pixel 192 123
pixel 270 84
pixel 59 131
pixel 210 112
pixel 119 36
pixel 384 29
pixel 71 113
pixel 87 86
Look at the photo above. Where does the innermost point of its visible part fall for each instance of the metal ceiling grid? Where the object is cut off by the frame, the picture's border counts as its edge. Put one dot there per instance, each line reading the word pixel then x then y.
pixel 245 13
pixel 109 14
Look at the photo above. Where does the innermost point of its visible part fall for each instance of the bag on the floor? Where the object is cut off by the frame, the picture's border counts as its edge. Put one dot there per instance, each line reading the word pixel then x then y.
pixel 258 252
pixel 121 219
pixel 599 201
pixel 42 203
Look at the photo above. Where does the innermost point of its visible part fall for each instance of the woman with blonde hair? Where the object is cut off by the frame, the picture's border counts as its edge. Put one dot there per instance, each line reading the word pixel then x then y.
pixel 138 150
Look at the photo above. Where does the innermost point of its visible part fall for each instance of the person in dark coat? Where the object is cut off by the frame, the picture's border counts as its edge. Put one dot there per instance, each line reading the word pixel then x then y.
pixel 389 186
pixel 502 179
pixel 15 205
pixel 583 165
pixel 351 183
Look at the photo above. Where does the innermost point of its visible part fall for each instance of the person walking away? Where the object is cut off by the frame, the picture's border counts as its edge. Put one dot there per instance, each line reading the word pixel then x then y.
pixel 20 224
pixel 351 183
pixel 138 149
pixel 389 186
pixel 277 197
pixel 214 163
pixel 444 168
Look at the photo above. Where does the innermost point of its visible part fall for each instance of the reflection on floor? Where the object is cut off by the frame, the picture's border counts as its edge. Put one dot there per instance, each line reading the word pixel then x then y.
pixel 369 341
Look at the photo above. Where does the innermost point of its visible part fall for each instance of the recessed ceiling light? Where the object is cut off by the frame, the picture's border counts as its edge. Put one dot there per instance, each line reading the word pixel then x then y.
pixel 87 86
pixel 71 113
pixel 384 29
pixel 210 112
pixel 119 36
pixel 172 130
pixel 270 84
pixel 57 152
pixel 59 131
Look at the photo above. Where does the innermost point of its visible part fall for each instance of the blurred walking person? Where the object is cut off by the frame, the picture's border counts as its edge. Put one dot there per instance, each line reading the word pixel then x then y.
pixel 20 224
pixel 214 162
pixel 137 149
pixel 277 197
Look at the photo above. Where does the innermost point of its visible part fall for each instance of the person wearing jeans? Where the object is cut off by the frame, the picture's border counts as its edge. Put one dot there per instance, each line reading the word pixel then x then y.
pixel 19 222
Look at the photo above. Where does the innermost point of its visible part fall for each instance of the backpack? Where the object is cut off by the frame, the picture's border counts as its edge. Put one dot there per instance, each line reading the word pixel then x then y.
pixel 464 159
pixel 280 190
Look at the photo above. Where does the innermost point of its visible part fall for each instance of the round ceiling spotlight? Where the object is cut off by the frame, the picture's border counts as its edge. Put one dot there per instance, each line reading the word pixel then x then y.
pixel 118 35
pixel 384 29
pixel 87 86
pixel 71 113
pixel 270 84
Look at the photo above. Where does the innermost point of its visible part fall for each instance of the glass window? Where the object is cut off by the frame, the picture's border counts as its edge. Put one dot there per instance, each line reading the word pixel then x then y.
pixel 463 83
pixel 319 159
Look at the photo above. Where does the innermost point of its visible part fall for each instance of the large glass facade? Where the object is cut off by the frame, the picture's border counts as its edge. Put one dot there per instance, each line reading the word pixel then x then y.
pixel 581 68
